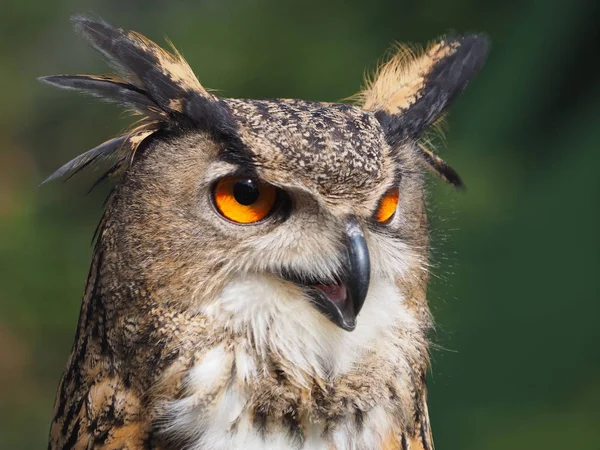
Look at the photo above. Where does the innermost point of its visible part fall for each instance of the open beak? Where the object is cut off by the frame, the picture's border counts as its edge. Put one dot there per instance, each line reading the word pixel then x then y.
pixel 341 301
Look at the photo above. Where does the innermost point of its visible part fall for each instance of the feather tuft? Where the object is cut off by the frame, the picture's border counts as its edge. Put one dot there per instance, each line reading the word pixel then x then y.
pixel 96 154
pixel 166 77
pixel 440 167
pixel 412 90
pixel 107 87
pixel 151 81
pixel 120 149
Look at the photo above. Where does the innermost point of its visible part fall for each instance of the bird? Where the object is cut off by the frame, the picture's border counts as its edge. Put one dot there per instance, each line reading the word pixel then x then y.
pixel 259 273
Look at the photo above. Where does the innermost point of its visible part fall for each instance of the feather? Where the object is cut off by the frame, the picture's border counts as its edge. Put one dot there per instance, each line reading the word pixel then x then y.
pixel 440 167
pixel 153 81
pixel 411 92
pixel 96 154
pixel 166 77
pixel 122 149
pixel 107 87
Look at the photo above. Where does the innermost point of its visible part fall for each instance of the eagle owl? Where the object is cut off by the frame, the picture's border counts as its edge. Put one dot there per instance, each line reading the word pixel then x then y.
pixel 259 274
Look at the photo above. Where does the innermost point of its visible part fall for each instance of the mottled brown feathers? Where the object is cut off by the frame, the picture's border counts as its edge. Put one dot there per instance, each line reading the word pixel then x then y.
pixel 190 335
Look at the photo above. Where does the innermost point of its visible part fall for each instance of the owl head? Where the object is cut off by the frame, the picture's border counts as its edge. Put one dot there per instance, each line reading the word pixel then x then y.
pixel 274 211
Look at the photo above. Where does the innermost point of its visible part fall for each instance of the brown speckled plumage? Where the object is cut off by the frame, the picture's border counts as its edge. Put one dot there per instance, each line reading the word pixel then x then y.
pixel 190 336
pixel 314 143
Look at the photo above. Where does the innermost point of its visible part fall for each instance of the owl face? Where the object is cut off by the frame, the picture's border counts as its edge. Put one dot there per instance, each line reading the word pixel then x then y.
pixel 321 202
pixel 310 199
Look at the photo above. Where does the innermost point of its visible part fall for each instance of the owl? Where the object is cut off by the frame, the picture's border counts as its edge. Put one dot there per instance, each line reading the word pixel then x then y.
pixel 259 274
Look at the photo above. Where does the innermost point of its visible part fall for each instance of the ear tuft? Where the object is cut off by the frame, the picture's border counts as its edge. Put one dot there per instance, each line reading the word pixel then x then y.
pixel 166 77
pixel 411 91
pixel 151 81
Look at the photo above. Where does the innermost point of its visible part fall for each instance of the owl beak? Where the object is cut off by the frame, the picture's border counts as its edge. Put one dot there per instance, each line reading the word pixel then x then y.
pixel 342 302
pixel 358 274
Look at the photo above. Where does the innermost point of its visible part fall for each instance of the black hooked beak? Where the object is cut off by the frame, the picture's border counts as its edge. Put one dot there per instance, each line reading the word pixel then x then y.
pixel 341 301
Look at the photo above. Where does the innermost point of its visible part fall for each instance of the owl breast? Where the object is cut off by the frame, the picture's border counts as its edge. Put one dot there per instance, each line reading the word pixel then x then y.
pixel 286 380
pixel 230 406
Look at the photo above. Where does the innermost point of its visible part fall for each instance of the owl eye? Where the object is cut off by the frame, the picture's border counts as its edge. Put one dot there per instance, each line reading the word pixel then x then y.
pixel 387 205
pixel 243 199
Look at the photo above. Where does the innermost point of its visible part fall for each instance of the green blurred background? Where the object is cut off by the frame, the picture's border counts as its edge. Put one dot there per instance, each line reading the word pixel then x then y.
pixel 516 289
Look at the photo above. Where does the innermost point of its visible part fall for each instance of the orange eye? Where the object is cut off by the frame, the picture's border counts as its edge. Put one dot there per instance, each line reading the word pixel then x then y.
pixel 387 205
pixel 244 200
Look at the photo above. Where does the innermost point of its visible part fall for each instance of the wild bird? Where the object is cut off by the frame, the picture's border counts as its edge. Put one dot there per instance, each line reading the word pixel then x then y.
pixel 259 274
